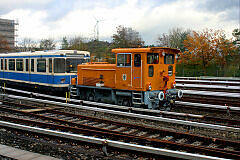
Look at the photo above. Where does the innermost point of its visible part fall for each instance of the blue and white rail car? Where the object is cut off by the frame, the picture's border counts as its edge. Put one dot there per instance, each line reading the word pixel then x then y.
pixel 49 71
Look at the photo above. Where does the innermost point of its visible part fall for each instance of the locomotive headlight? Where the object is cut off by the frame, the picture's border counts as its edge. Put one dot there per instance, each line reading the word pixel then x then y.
pixel 174 85
pixel 149 87
pixel 163 54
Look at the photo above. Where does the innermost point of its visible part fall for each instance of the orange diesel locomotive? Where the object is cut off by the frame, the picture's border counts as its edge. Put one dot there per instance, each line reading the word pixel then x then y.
pixel 141 77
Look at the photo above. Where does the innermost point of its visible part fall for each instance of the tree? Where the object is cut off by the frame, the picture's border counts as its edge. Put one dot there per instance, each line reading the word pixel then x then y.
pixel 78 43
pixel 207 47
pixel 100 49
pixel 174 38
pixel 236 34
pixel 163 40
pixel 47 44
pixel 126 38
pixel 65 43
pixel 4 47
pixel 28 44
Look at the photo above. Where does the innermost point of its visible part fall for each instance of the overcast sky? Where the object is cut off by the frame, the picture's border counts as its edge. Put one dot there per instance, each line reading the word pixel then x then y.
pixel 56 18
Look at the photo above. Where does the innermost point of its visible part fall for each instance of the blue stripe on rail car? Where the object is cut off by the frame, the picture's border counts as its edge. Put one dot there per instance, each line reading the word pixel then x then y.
pixel 38 78
pixel 37 56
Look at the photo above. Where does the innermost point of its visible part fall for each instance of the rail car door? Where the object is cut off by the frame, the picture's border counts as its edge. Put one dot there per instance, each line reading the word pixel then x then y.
pixel 123 72
pixel 137 71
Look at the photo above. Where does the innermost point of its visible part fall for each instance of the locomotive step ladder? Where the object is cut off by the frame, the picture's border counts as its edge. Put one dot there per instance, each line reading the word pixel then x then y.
pixel 73 92
pixel 137 98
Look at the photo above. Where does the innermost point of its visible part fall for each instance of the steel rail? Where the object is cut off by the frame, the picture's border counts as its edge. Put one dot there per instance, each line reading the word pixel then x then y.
pixel 230 108
pixel 204 86
pixel 42 115
pixel 160 119
pixel 208 93
pixel 210 78
pixel 111 143
pixel 110 106
pixel 223 83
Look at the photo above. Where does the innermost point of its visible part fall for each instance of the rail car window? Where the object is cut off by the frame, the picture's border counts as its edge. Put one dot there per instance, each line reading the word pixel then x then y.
pixel 152 58
pixel 59 65
pixel 26 65
pixel 41 65
pixel 1 64
pixel 32 65
pixel 19 65
pixel 150 71
pixel 71 64
pixel 50 65
pixel 123 60
pixel 137 60
pixel 11 64
pixel 5 64
pixel 169 59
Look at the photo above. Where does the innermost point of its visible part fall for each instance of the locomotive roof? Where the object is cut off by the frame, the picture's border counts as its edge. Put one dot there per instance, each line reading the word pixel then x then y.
pixel 50 52
pixel 150 49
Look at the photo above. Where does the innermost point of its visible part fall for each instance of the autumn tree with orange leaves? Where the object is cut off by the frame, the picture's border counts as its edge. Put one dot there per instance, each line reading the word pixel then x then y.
pixel 207 47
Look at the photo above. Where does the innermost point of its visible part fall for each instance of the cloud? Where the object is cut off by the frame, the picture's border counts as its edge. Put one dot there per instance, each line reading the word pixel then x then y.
pixel 229 9
pixel 7 6
pixel 55 19
pixel 217 5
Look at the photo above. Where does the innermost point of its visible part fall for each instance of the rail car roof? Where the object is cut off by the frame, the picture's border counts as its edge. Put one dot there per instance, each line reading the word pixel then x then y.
pixel 46 53
pixel 150 49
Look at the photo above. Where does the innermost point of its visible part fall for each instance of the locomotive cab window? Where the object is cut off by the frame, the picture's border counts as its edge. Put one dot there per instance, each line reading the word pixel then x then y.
pixel 137 60
pixel 41 65
pixel 11 64
pixel 123 60
pixel 169 59
pixel 152 58
pixel 150 71
pixel 19 64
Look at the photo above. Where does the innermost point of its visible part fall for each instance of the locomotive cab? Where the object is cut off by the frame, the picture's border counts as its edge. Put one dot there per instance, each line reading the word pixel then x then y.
pixel 149 73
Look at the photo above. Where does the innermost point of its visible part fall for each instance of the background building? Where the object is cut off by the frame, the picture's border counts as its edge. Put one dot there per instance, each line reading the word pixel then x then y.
pixel 7 31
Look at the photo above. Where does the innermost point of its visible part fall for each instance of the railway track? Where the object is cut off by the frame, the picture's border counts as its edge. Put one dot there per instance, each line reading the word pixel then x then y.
pixel 210 122
pixel 210 90
pixel 127 133
pixel 212 79
pixel 179 116
pixel 175 122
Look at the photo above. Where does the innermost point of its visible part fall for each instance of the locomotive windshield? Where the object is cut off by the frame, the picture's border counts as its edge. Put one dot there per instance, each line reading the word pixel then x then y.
pixel 169 59
pixel 71 64
pixel 152 58
pixel 62 65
